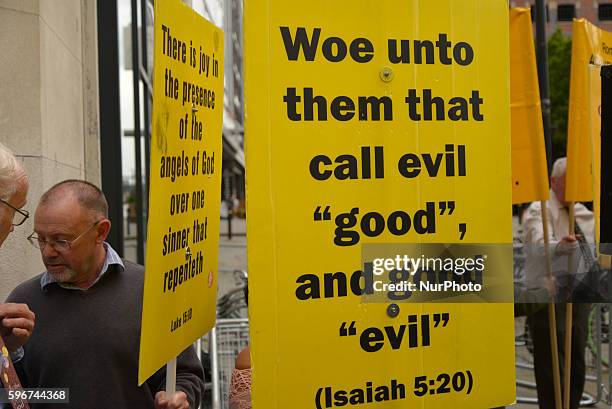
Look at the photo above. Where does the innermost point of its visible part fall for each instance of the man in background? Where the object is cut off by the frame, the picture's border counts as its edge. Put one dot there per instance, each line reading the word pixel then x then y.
pixel 562 243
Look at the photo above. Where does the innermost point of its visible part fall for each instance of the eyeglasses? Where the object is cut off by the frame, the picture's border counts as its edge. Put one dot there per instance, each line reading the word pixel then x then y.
pixel 58 245
pixel 23 214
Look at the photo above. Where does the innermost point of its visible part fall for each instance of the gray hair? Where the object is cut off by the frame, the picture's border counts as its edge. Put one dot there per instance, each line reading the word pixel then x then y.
pixel 88 195
pixel 559 168
pixel 10 171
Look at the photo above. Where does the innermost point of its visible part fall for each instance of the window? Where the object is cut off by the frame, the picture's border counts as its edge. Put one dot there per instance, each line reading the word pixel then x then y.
pixel 605 12
pixel 566 12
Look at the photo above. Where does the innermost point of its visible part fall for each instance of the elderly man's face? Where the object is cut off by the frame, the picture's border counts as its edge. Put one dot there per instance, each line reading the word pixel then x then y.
pixel 18 200
pixel 558 186
pixel 65 219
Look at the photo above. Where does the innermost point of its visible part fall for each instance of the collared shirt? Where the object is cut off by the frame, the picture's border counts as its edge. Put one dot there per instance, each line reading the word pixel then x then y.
pixel 558 227
pixel 112 258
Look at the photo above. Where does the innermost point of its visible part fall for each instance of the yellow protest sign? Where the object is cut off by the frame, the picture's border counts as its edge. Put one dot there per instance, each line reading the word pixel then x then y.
pixel 594 110
pixel 590 45
pixel 380 124
pixel 529 171
pixel 185 194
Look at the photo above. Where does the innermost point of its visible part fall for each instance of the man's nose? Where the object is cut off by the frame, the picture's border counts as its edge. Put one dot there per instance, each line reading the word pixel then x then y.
pixel 48 251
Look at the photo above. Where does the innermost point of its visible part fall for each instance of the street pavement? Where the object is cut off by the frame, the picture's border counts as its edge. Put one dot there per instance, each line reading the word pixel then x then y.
pixel 232 254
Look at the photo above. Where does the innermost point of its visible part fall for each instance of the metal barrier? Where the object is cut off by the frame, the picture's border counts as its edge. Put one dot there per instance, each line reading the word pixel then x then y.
pixel 586 400
pixel 595 370
pixel 228 338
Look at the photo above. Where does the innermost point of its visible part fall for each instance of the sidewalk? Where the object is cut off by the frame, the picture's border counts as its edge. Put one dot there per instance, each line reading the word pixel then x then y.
pixel 232 254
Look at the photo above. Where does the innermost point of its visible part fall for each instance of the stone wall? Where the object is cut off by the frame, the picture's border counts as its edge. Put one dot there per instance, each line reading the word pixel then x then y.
pixel 48 107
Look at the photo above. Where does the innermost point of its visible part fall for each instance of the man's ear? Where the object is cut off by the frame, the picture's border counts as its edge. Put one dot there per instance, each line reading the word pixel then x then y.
pixel 103 229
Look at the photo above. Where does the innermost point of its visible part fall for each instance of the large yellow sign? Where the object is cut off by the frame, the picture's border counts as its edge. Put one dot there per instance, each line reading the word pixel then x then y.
pixel 590 45
pixel 529 172
pixel 371 123
pixel 185 194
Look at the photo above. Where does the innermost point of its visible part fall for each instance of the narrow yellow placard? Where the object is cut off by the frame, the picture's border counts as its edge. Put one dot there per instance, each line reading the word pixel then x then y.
pixel 594 110
pixel 590 45
pixel 180 291
pixel 529 171
pixel 382 122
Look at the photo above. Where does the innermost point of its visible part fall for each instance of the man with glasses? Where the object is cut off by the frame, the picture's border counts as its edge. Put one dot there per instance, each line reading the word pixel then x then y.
pixel 88 304
pixel 16 320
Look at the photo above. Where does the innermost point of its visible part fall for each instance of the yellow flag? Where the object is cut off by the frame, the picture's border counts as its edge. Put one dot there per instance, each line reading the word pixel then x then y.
pixel 375 124
pixel 590 45
pixel 529 171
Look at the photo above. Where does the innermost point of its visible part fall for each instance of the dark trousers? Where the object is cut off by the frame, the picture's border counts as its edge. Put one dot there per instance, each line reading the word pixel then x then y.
pixel 539 329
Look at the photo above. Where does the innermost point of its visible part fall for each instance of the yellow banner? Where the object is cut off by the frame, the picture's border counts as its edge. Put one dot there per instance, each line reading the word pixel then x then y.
pixel 529 171
pixel 183 232
pixel 590 45
pixel 595 139
pixel 376 123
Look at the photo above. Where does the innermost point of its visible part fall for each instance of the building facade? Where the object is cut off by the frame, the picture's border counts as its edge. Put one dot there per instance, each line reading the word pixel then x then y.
pixel 48 107
pixel 560 13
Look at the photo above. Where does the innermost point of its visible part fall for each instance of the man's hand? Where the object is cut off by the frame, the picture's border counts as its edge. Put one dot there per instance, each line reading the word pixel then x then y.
pixel 16 324
pixel 177 401
pixel 567 245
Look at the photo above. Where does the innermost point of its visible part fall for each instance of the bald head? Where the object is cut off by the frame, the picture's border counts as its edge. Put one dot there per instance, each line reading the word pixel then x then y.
pixel 73 212
pixel 88 196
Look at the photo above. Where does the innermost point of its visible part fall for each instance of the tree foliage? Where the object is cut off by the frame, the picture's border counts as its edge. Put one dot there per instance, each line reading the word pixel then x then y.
pixel 559 62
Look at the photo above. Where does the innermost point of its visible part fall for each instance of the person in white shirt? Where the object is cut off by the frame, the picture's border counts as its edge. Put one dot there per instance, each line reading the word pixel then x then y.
pixel 564 248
